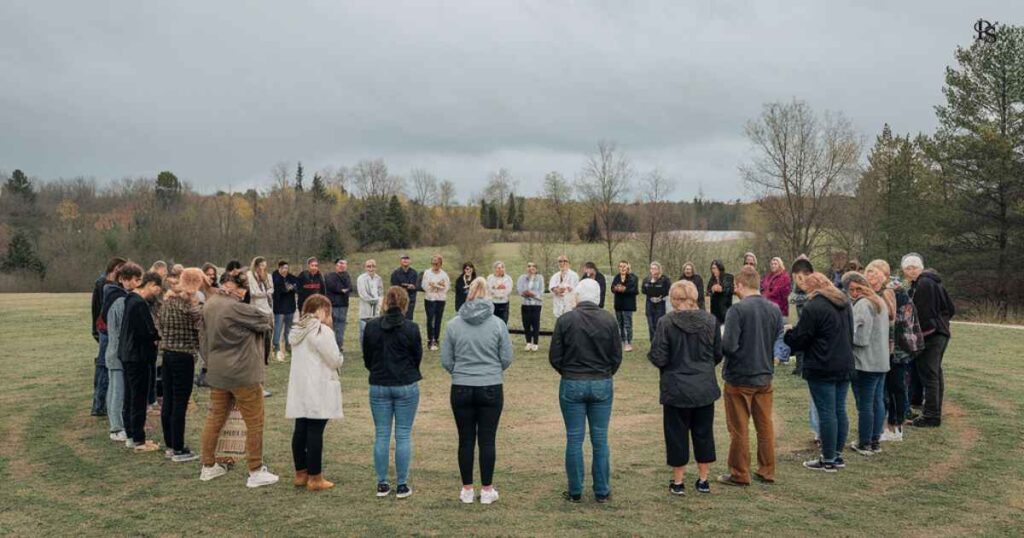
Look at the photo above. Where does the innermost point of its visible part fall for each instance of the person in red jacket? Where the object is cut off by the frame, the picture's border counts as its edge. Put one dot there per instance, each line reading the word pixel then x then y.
pixel 776 285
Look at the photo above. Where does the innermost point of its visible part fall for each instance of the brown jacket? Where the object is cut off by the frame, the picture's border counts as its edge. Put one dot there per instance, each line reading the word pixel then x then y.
pixel 234 343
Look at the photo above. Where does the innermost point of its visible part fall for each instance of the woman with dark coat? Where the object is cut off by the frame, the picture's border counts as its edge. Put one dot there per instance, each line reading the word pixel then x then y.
pixel 462 284
pixel 687 346
pixel 690 274
pixel 720 290
pixel 655 287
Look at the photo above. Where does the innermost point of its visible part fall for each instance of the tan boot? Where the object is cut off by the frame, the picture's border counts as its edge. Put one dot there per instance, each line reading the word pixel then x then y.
pixel 301 478
pixel 318 483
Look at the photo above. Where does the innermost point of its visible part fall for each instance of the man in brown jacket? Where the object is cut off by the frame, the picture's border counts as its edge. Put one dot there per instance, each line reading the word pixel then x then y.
pixel 234 344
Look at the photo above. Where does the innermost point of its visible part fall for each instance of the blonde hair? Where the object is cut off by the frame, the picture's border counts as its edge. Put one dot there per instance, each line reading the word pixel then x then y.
pixel 661 270
pixel 189 283
pixel 818 284
pixel 477 289
pixel 782 266
pixel 254 266
pixel 683 295
pixel 882 267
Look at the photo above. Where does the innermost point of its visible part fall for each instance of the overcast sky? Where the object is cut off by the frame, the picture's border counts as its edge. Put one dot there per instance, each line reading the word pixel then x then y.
pixel 219 92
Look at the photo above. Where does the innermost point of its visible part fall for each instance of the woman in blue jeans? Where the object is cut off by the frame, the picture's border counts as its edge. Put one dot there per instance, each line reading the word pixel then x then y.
pixel 824 333
pixel 392 351
pixel 871 360
pixel 586 350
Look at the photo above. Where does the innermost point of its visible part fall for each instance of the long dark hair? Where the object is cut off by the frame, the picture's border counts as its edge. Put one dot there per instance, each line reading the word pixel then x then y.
pixel 463 274
pixel 712 279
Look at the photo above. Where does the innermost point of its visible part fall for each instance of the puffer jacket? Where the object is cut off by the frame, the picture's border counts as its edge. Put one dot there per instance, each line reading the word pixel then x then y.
pixel 687 346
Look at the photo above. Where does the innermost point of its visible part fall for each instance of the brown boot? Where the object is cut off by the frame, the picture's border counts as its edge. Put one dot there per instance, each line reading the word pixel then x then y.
pixel 318 483
pixel 301 478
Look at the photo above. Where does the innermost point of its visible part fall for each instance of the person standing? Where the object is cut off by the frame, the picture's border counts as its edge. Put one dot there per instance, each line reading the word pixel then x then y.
pixel 261 286
pixel 476 351
pixel 531 288
pixel 751 328
pixel 233 268
pixel 370 287
pixel 824 333
pixel 210 270
pixel 934 309
pixel 392 352
pixel 499 289
pixel 750 260
pixel 905 341
pixel 406 277
pixel 180 319
pixel 311 281
pixel 339 285
pixel 586 351
pixel 590 271
pixel 655 287
pixel 801 268
pixel 625 288
pixel 129 276
pixel 776 285
pixel 687 346
pixel 285 288
pixel 871 361
pixel 435 284
pixel 690 274
pixel 100 377
pixel 462 284
pixel 561 285
pixel 720 290
pixel 233 345
pixel 314 391
pixel 137 347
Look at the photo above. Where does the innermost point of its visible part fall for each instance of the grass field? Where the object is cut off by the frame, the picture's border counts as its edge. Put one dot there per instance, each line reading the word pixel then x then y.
pixel 60 474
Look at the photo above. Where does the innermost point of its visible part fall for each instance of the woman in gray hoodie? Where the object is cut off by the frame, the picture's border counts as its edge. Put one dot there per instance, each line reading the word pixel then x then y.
pixel 476 351
pixel 871 360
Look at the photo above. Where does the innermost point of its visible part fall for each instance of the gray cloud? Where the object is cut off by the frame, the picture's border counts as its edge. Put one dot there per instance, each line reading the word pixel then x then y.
pixel 220 91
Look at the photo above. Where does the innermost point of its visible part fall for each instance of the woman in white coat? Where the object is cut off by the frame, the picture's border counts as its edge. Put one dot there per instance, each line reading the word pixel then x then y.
pixel 261 286
pixel 314 392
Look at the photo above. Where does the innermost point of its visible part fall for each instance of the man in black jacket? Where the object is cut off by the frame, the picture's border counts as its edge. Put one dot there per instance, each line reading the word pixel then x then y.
pixel 99 333
pixel 137 347
pixel 934 310
pixel 285 286
pixel 586 350
pixel 339 284
pixel 407 278
pixel 311 281
pixel 590 271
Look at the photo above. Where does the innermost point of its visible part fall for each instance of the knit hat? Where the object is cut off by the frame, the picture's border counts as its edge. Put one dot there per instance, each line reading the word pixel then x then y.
pixel 912 260
pixel 853 276
pixel 588 291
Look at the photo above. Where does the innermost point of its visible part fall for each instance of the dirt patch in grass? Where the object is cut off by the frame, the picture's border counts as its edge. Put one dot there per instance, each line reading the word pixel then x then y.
pixel 966 438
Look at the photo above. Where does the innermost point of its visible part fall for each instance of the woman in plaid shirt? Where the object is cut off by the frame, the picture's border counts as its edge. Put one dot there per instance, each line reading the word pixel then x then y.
pixel 179 322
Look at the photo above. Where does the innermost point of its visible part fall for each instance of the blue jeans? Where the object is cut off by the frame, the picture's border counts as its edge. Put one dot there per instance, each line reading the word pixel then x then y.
pixel 830 400
pixel 99 379
pixel 340 316
pixel 654 313
pixel 869 393
pixel 582 401
pixel 282 326
pixel 393 405
pixel 812 419
pixel 115 400
pixel 625 319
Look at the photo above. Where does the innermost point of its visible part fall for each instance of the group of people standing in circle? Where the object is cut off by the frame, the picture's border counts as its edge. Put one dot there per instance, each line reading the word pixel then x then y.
pixel 871 330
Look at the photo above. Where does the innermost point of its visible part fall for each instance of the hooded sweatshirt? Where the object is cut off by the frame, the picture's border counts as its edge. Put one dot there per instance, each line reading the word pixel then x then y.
pixel 476 348
pixel 313 387
pixel 687 345
pixel 115 314
pixel 824 333
pixel 870 337
pixel 934 307
pixel 586 343
pixel 751 328
pixel 392 350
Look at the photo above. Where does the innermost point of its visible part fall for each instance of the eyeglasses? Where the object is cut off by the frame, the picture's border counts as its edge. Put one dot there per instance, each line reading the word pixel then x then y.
pixel 563 261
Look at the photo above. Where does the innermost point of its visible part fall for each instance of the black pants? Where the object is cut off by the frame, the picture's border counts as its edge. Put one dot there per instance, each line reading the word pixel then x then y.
pixel 896 393
pixel 178 370
pixel 308 444
pixel 914 387
pixel 531 322
pixel 435 311
pixel 411 309
pixel 683 423
pixel 136 391
pixel 477 411
pixel 929 367
pixel 501 310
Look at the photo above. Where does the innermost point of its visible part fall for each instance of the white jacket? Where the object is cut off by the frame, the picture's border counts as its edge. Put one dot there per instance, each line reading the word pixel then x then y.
pixel 499 288
pixel 261 293
pixel 435 285
pixel 371 294
pixel 313 387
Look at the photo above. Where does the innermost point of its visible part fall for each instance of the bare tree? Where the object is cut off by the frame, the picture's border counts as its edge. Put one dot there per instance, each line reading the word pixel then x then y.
pixel 279 174
pixel 558 198
pixel 500 185
pixel 603 185
pixel 372 180
pixel 802 163
pixel 655 209
pixel 446 195
pixel 424 187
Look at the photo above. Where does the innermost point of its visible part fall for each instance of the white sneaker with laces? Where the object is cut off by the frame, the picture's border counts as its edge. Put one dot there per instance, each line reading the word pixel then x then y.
pixel 119 437
pixel 261 477
pixel 211 472
pixel 488 496
pixel 280 356
pixel 467 495
pixel 129 443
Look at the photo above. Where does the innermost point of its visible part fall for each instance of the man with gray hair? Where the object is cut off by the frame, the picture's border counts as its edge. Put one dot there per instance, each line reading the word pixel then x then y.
pixel 586 350
pixel 934 310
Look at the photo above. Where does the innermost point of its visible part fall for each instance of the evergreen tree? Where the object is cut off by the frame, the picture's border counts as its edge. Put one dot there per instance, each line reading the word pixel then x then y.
pixel 21 256
pixel 493 217
pixel 298 178
pixel 168 189
pixel 593 231
pixel 510 219
pixel 398 226
pixel 319 190
pixel 370 225
pixel 19 184
pixel 520 214
pixel 484 216
pixel 331 246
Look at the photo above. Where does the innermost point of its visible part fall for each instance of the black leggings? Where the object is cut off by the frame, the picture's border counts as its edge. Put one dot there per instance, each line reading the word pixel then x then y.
pixel 501 310
pixel 178 370
pixel 896 393
pixel 136 390
pixel 683 423
pixel 435 311
pixel 477 411
pixel 308 444
pixel 531 322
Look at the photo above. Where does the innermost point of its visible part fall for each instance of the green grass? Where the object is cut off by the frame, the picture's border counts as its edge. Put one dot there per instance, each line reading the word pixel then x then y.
pixel 61 475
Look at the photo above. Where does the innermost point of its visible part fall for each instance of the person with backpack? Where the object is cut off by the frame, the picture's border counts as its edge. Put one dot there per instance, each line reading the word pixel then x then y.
pixel 934 310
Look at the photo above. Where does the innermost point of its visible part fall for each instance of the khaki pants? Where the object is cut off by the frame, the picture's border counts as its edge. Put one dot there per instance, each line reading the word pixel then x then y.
pixel 249 401
pixel 742 403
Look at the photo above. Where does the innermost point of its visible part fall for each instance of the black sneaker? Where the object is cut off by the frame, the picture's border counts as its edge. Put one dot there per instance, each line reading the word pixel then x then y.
pixel 922 422
pixel 184 455
pixel 402 491
pixel 676 489
pixel 383 489
pixel 571 498
pixel 819 465
pixel 603 498
pixel 839 462
pixel 863 450
pixel 876 447
pixel 702 486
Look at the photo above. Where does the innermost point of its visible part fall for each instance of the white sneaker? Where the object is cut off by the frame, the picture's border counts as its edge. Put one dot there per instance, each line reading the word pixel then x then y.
pixel 535 347
pixel 169 453
pixel 128 442
pixel 119 437
pixel 261 477
pixel 529 347
pixel 467 495
pixel 211 472
pixel 488 496
pixel 628 347
pixel 280 356
pixel 897 435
